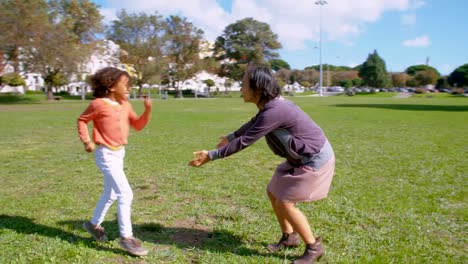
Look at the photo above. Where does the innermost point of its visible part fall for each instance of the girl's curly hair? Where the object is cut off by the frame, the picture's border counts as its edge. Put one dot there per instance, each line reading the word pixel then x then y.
pixel 104 79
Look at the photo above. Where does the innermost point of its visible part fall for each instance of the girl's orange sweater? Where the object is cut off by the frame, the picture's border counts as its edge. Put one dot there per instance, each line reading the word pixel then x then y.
pixel 110 122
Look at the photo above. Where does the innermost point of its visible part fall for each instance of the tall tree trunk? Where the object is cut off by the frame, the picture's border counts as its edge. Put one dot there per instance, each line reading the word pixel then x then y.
pixel 50 93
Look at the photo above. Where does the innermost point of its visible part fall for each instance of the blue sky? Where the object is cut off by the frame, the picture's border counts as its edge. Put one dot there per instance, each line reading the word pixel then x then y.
pixel 404 32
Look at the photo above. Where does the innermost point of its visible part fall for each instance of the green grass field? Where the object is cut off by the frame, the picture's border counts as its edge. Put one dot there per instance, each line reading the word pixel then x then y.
pixel 399 194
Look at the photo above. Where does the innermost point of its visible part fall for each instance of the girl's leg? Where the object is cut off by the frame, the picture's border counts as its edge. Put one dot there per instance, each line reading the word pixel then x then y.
pixel 297 220
pixel 286 227
pixel 112 167
pixel 108 196
pixel 107 199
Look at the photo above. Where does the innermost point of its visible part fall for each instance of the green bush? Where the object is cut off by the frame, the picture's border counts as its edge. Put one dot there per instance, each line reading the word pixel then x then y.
pixel 209 82
pixel 13 79
pixel 34 92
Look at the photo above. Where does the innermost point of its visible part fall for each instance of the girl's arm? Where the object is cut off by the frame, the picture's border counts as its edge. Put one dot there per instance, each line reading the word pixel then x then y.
pixel 82 125
pixel 138 123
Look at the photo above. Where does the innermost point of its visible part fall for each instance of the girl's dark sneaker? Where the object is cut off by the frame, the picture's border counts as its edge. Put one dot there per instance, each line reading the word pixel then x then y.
pixel 97 231
pixel 133 246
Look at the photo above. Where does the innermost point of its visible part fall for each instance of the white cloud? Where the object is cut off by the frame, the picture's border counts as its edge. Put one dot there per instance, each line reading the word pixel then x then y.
pixel 295 21
pixel 422 41
pixel 415 4
pixel 204 14
pixel 408 20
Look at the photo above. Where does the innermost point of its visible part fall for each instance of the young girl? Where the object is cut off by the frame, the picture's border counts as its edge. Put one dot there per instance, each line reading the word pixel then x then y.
pixel 112 116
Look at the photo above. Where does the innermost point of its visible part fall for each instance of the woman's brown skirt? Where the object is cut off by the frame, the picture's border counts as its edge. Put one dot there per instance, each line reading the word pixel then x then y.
pixel 303 184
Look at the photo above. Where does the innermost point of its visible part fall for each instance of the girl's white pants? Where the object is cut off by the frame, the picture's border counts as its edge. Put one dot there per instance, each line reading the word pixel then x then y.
pixel 116 187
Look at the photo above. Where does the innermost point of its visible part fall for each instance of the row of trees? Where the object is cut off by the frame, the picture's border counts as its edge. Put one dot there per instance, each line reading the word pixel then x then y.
pixel 52 37
pixel 373 73
pixel 56 37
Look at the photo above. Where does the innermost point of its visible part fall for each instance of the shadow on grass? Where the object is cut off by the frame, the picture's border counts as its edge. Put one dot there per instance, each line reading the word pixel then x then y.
pixel 184 238
pixel 76 97
pixel 17 99
pixel 412 107
pixel 213 241
pixel 25 225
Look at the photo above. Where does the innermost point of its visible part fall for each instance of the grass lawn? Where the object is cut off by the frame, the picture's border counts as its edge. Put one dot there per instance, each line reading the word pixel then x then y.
pixel 399 194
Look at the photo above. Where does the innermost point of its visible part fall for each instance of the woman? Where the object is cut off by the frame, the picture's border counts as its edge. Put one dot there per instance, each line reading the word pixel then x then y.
pixel 306 174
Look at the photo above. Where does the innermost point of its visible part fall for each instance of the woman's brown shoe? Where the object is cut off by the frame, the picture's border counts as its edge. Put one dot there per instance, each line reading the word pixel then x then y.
pixel 312 253
pixel 287 240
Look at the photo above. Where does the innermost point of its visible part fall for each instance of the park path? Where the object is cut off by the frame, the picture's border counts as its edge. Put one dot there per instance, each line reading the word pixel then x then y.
pixel 403 95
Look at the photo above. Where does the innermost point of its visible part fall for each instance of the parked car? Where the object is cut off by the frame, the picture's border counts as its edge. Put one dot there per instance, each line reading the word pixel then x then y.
pixel 445 90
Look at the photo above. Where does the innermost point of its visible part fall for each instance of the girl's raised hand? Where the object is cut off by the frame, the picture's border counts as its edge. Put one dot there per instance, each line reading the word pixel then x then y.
pixel 147 102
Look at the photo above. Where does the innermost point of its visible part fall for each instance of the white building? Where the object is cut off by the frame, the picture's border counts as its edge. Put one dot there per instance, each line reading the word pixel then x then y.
pixel 198 85
pixel 106 54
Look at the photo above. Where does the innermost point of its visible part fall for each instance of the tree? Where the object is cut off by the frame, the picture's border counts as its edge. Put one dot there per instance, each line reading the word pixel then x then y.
pixel 413 70
pixel 331 68
pixel 442 83
pixel 459 77
pixel 283 75
pixel 346 77
pixel 243 42
pixel 22 23
pixel 426 77
pixel 65 42
pixel 373 71
pixel 208 64
pixel 277 64
pixel 2 61
pixel 210 83
pixel 400 79
pixel 47 36
pixel 13 79
pixel 55 78
pixel 83 19
pixel 182 47
pixel 357 82
pixel 140 37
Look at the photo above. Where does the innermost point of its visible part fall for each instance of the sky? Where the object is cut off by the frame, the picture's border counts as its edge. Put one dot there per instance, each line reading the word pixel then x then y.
pixel 403 32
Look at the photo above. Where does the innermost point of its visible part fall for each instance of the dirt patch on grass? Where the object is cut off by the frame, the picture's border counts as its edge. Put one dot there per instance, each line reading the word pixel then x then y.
pixel 191 233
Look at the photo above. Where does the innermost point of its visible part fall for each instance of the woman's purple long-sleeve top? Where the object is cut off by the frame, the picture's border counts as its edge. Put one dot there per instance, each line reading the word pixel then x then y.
pixel 289 132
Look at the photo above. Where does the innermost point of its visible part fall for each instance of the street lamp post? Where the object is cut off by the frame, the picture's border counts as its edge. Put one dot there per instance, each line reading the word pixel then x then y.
pixel 320 3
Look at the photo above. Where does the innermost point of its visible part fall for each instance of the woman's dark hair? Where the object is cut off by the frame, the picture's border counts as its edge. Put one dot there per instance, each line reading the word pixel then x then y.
pixel 104 79
pixel 263 82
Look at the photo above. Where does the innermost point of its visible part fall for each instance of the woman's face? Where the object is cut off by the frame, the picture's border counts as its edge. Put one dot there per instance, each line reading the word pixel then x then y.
pixel 247 93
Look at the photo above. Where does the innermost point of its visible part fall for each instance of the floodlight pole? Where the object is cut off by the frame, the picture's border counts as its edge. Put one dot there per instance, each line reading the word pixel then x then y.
pixel 320 3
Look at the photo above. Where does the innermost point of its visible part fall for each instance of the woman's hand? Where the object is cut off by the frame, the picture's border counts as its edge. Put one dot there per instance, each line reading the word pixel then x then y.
pixel 222 141
pixel 201 157
pixel 89 146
